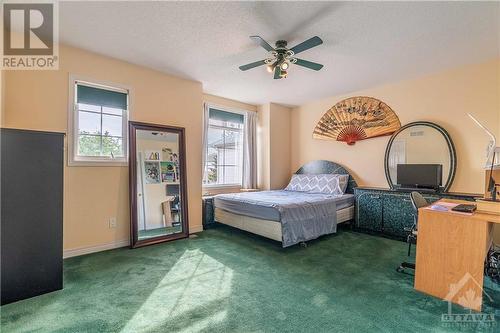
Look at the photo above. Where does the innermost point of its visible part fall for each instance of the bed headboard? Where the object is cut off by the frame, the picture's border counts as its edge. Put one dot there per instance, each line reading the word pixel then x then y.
pixel 323 166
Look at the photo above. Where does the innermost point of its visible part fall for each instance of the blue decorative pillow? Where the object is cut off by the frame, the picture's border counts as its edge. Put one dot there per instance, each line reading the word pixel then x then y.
pixel 322 183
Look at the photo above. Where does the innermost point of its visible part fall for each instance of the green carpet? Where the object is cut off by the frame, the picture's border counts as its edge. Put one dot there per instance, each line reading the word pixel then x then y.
pixel 230 281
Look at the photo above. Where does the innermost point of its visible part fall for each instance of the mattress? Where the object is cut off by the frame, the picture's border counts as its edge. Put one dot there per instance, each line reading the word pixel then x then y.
pixel 266 228
pixel 262 205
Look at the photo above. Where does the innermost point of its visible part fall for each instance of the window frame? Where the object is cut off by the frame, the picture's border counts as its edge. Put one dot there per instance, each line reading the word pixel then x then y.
pixel 229 185
pixel 73 158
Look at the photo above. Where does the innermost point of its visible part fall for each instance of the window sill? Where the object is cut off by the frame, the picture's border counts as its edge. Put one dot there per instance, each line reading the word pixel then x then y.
pixel 97 163
pixel 221 186
pixel 220 189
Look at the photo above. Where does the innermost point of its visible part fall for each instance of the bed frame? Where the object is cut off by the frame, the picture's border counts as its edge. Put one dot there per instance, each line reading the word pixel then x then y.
pixel 272 229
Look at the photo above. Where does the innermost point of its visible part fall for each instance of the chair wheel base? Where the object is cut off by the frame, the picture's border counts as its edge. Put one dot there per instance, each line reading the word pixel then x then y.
pixel 404 266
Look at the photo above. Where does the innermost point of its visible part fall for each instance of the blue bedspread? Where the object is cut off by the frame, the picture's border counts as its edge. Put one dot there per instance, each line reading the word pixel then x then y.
pixel 303 216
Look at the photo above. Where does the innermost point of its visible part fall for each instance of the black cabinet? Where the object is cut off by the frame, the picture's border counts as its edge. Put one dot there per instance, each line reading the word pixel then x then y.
pixel 398 214
pixel 370 211
pixel 388 212
pixel 31 213
pixel 208 212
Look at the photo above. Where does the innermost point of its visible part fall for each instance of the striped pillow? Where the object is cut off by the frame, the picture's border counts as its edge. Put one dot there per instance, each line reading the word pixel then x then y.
pixel 322 183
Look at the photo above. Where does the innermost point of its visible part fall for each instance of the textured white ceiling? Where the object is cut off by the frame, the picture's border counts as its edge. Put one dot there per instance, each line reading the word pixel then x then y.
pixel 365 43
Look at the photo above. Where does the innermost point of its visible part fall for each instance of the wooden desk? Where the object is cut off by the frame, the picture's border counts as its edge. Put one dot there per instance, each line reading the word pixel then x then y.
pixel 451 249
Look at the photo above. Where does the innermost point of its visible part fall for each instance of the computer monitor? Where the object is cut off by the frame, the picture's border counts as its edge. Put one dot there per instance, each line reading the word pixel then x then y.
pixel 420 175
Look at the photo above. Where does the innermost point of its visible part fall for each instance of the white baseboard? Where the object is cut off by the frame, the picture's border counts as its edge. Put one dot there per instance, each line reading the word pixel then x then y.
pixel 109 246
pixel 97 248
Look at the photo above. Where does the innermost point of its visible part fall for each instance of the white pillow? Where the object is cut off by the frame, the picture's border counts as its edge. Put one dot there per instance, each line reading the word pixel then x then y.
pixel 321 183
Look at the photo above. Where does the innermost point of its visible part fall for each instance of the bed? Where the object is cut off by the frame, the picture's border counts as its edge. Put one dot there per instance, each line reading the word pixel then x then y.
pixel 290 216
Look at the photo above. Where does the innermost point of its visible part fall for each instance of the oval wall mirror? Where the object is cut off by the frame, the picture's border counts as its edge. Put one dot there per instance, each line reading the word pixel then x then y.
pixel 420 155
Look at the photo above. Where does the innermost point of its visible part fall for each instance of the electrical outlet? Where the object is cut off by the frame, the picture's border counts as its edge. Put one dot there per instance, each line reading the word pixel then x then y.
pixel 112 222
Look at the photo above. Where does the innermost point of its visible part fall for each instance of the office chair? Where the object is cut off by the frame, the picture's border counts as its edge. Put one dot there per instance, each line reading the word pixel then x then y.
pixel 417 201
pixel 173 190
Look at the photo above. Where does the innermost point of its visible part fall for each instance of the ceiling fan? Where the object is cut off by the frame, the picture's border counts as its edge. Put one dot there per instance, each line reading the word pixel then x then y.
pixel 281 57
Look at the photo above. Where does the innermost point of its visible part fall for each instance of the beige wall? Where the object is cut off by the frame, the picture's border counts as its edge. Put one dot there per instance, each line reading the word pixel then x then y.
pixel 274 149
pixel 229 103
pixel 280 148
pixel 39 100
pixel 443 98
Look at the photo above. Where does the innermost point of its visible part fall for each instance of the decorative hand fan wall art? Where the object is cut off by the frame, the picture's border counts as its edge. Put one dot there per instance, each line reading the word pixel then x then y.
pixel 357 118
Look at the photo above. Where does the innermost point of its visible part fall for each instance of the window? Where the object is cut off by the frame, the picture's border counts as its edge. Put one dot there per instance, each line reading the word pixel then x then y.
pixel 98 123
pixel 224 151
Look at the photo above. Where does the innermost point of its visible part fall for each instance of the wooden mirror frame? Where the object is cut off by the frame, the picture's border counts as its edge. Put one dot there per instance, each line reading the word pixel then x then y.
pixel 451 150
pixel 134 239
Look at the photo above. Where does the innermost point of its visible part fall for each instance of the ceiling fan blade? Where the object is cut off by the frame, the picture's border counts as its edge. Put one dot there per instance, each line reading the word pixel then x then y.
pixel 309 64
pixel 262 43
pixel 277 72
pixel 252 65
pixel 306 45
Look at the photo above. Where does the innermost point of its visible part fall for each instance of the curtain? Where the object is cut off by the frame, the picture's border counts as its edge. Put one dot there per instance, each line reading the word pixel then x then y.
pixel 250 150
pixel 98 96
pixel 204 142
pixel 231 117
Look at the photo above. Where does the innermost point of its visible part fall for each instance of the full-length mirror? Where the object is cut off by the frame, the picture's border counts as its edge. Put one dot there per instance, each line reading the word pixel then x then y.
pixel 157 184
pixel 420 155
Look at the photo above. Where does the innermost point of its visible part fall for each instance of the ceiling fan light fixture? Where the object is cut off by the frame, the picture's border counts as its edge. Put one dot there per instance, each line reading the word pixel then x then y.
pixel 284 65
pixel 280 58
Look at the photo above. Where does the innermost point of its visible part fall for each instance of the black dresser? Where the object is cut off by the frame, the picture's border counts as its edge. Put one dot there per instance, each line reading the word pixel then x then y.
pixel 208 212
pixel 388 212
pixel 32 213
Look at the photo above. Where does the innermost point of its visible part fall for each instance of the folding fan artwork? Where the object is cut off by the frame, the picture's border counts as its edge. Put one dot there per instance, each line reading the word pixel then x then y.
pixel 357 118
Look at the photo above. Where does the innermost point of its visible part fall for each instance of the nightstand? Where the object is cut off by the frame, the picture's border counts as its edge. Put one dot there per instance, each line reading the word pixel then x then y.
pixel 207 212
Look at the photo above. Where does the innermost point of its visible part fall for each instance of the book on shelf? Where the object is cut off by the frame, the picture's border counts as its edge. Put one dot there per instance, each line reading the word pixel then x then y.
pixel 488 206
